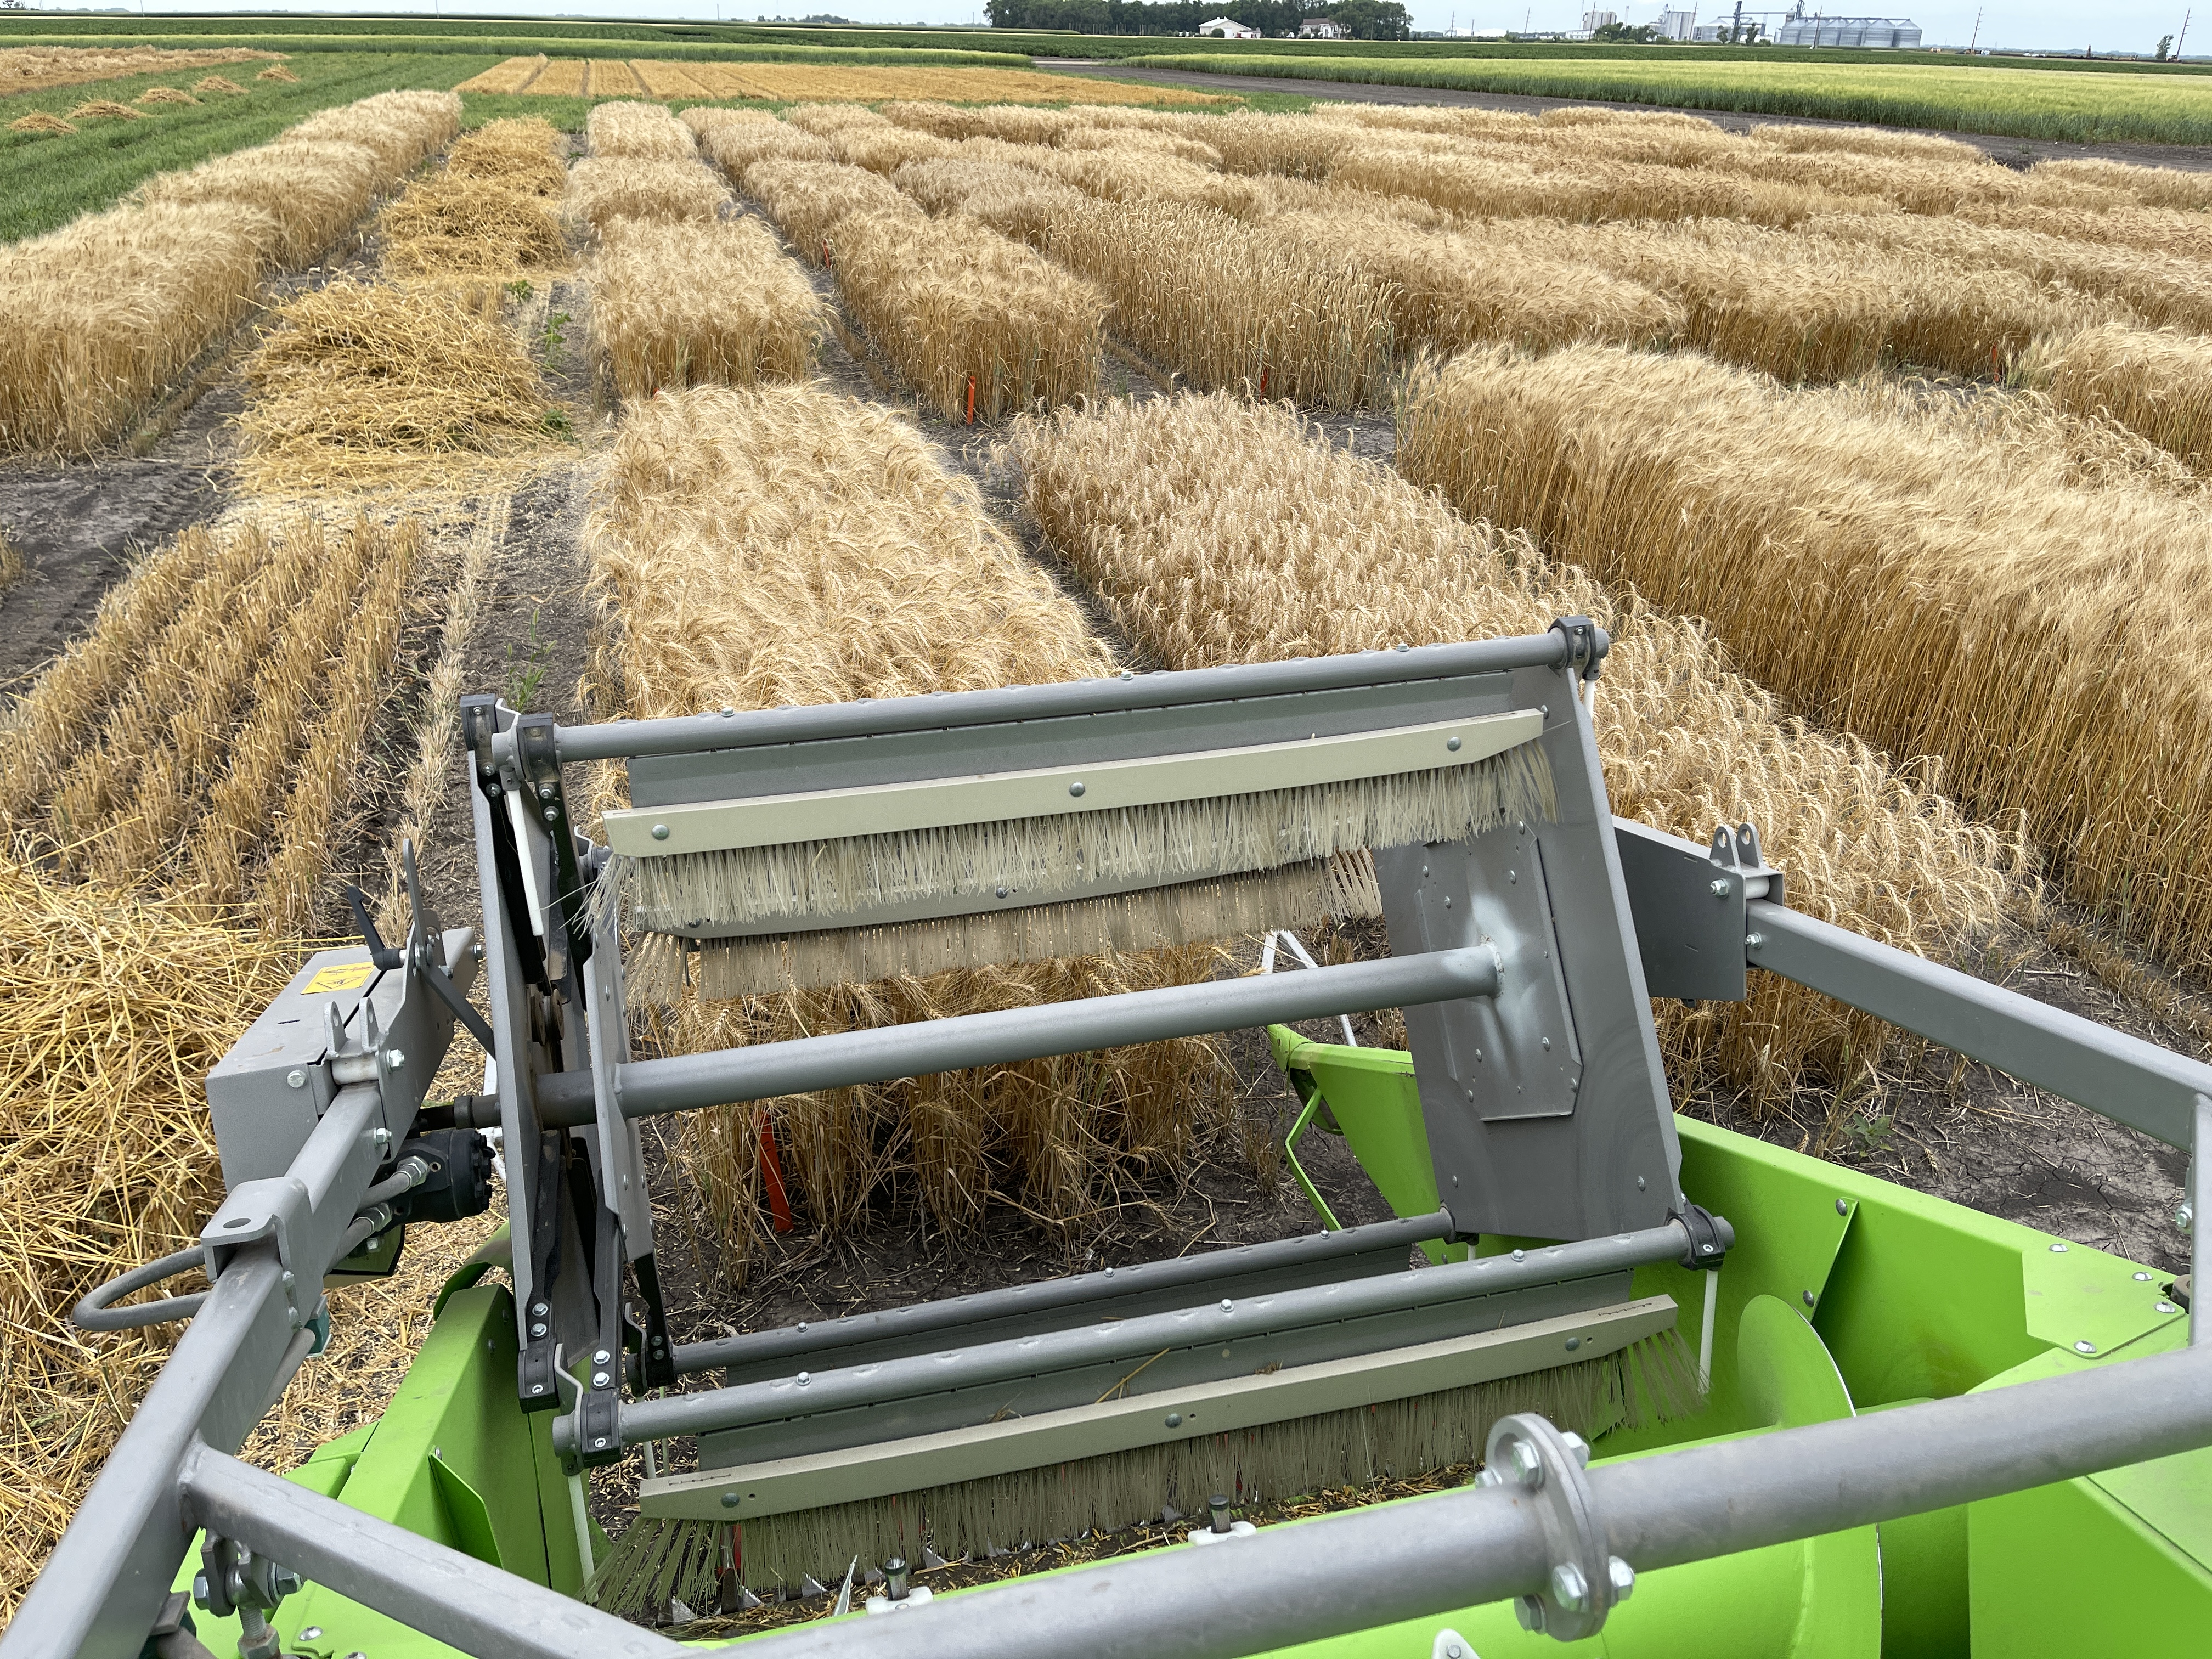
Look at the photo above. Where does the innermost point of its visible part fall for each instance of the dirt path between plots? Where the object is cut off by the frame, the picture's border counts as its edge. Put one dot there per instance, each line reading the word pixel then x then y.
pixel 2013 152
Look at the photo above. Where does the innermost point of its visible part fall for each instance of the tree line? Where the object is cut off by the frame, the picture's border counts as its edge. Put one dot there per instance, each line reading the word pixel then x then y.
pixel 1364 20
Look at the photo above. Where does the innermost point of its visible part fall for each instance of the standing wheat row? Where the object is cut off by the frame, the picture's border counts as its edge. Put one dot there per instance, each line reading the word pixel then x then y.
pixel 781 546
pixel 1907 569
pixel 1216 531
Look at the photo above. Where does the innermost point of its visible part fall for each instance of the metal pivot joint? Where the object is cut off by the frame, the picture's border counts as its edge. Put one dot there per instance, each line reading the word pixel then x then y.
pixel 1586 1581
pixel 1586 644
pixel 1706 1237
pixel 234 1579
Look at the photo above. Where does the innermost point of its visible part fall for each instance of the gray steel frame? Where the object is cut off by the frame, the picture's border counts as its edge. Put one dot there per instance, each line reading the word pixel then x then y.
pixel 106 1582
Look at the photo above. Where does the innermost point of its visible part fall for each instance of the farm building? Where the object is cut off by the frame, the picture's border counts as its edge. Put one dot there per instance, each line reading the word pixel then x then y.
pixel 1228 28
pixel 1864 33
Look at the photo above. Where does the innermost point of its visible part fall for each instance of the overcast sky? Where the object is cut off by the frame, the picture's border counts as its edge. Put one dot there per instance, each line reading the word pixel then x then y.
pixel 2128 26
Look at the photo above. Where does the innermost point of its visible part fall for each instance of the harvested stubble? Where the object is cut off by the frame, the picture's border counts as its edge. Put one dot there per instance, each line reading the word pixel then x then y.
pixel 1014 201
pixel 645 132
pixel 1972 599
pixel 95 318
pixel 676 305
pixel 218 86
pixel 1216 531
pixel 670 79
pixel 618 187
pixel 733 146
pixel 277 72
pixel 964 86
pixel 452 225
pixel 31 68
pixel 512 76
pixel 1447 291
pixel 110 1008
pixel 518 155
pixel 978 323
pixel 2154 382
pixel 783 545
pixel 562 77
pixel 104 109
pixel 357 383
pixel 808 199
pixel 164 95
pixel 39 121
pixel 1229 305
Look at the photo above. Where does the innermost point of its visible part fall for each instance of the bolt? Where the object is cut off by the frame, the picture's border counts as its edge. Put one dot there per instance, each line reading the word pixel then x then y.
pixel 598 1379
pixel 1809 1298
pixel 537 1329
pixel 313 1633
pixel 1622 1577
pixel 2142 1278
pixel 2058 1250
pixel 1175 1419
pixel 803 1379
pixel 1640 1183
pixel 394 1059
pixel 380 1137
pixel 1721 888
pixel 1075 788
pixel 296 1078
pixel 1578 1446
pixel 476 951
pixel 2185 1215
pixel 1452 744
pixel 2168 1307
pixel 1530 1612
pixel 729 1500
pixel 1569 1588
pixel 1453 1651
pixel 1520 1254
pixel 601 1358
pixel 1002 892
pixel 1843 1206
pixel 546 792
pixel 200 1589
pixel 539 1308
pixel 1752 941
pixel 1224 1304
pixel 1528 1464
pixel 601 1444
pixel 2084 1347
pixel 660 832
pixel 1547 1043
pixel 550 816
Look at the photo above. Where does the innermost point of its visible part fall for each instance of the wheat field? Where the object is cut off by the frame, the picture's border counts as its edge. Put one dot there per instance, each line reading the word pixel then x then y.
pixel 682 305
pixel 1219 531
pixel 752 548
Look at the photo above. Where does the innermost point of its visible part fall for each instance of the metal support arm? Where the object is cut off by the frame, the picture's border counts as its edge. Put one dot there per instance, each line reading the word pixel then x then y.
pixel 479 1609
pixel 802 1065
pixel 2127 1079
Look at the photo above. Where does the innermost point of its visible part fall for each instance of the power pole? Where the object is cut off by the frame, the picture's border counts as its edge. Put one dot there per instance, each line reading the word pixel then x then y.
pixel 1977 40
pixel 1736 29
pixel 2184 35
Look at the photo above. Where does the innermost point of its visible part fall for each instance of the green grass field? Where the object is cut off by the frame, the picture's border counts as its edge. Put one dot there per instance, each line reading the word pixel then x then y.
pixel 2119 105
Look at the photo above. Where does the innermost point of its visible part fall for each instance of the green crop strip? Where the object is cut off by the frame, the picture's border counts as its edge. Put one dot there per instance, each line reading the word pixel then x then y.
pixel 2119 104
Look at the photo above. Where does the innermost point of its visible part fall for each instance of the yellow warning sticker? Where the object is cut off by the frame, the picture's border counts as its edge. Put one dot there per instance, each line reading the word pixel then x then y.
pixel 342 976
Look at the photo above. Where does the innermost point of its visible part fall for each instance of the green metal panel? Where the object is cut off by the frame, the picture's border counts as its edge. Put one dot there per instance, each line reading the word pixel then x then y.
pixel 1370 1094
pixel 2067 1570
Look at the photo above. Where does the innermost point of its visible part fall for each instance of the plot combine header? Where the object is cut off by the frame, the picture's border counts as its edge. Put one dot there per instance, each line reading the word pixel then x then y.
pixel 1656 1339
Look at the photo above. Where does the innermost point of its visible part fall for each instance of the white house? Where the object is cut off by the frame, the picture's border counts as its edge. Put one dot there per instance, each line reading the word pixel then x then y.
pixel 1228 28
pixel 1322 29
